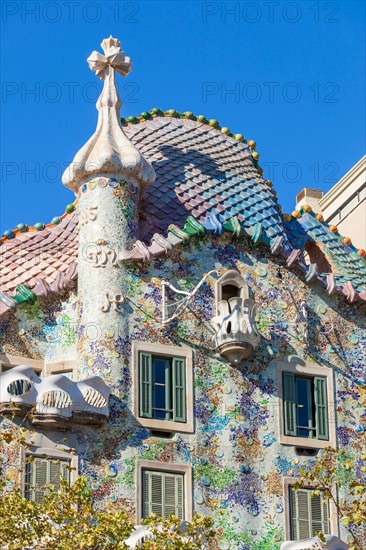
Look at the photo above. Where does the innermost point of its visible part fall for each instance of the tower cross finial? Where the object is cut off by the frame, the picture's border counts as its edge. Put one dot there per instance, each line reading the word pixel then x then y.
pixel 109 151
pixel 113 57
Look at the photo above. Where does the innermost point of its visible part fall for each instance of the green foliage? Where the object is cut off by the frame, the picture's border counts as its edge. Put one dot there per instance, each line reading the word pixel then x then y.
pixel 341 476
pixel 68 516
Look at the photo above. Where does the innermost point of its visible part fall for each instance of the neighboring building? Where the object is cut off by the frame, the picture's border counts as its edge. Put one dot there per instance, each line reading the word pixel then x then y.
pixel 175 284
pixel 344 206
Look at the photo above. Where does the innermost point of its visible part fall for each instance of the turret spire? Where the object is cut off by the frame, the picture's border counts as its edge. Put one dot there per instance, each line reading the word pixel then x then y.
pixel 108 152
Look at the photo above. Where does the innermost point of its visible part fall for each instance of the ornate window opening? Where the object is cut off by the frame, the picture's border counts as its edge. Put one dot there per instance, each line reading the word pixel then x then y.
pixel 236 335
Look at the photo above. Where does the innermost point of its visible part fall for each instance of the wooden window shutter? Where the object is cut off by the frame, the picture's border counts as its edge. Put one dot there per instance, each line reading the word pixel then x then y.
pixel 40 478
pixel 145 385
pixel 309 514
pixel 163 494
pixel 316 514
pixel 179 389
pixel 173 495
pixel 325 510
pixel 319 514
pixel 65 470
pixel 153 493
pixel 303 514
pixel 55 473
pixel 179 496
pixel 321 407
pixel 289 403
pixel 300 514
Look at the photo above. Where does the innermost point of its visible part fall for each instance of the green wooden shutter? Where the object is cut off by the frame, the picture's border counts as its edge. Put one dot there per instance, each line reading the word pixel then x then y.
pixel 28 481
pixel 162 494
pixel 321 407
pixel 40 478
pixel 289 403
pixel 325 510
pixel 169 495
pixel 179 496
pixel 316 514
pixel 153 493
pixel 300 514
pixel 55 473
pixel 179 390
pixel 319 514
pixel 145 383
pixel 173 495
pixel 309 514
pixel 65 470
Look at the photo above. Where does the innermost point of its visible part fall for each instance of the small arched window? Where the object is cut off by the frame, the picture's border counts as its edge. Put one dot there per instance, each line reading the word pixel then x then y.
pixel 230 291
pixel 231 285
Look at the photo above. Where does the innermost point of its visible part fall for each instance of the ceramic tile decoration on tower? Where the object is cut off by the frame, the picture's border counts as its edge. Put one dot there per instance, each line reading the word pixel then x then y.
pixel 181 332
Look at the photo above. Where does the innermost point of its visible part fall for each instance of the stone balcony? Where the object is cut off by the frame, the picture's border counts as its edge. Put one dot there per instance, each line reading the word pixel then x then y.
pixel 54 402
pixel 236 335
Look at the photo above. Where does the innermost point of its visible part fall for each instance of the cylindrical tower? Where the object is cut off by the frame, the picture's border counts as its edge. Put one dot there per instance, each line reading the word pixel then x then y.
pixel 107 175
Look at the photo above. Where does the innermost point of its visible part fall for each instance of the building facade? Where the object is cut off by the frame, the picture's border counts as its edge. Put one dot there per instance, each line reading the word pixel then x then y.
pixel 168 326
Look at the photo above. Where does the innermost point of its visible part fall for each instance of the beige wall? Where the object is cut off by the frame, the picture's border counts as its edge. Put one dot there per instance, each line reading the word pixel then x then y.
pixel 354 226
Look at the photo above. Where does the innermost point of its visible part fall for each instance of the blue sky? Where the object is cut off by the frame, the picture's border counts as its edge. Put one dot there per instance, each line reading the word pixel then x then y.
pixel 290 75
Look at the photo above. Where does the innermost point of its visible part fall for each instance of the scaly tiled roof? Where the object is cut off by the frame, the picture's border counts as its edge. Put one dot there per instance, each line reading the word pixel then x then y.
pixel 208 180
pixel 347 264
pixel 201 170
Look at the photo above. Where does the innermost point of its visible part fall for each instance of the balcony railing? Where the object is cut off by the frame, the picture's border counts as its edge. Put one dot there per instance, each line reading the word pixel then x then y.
pixel 54 402
pixel 236 335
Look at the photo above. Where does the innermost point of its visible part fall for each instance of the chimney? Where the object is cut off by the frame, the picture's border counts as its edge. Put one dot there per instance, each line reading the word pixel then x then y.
pixel 310 197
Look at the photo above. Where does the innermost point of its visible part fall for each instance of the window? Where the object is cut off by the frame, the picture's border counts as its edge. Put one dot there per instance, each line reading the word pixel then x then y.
pixel 163 489
pixel 309 513
pixel 162 387
pixel 163 494
pixel 230 291
pixel 230 285
pixel 7 362
pixel 306 412
pixel 42 472
pixel 305 406
pixel 67 368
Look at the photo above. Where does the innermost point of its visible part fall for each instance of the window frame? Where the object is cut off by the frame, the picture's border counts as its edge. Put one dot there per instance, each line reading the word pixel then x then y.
pixel 333 517
pixel 170 352
pixel 169 468
pixel 308 371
